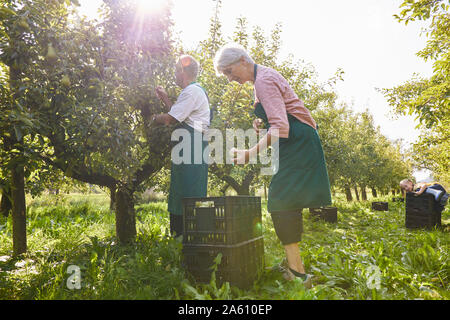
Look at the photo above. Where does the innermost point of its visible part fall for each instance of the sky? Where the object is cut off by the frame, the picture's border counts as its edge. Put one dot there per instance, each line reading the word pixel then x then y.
pixel 359 36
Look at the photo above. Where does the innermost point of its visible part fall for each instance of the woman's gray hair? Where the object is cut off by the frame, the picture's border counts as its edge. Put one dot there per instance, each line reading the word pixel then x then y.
pixel 229 54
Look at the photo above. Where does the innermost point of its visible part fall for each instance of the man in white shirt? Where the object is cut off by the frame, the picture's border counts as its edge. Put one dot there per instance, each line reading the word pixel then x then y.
pixel 191 112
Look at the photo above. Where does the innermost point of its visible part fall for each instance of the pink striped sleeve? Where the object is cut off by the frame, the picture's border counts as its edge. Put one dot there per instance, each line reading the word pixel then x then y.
pixel 268 93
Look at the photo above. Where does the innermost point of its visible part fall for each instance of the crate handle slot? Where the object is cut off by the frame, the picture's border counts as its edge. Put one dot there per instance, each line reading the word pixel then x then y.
pixel 204 204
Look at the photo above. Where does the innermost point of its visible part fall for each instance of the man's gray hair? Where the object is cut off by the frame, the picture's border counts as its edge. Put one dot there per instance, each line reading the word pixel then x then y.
pixel 229 54
pixel 190 65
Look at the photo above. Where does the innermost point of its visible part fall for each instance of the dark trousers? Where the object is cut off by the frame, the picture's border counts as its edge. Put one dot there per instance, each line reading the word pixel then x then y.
pixel 288 226
pixel 176 225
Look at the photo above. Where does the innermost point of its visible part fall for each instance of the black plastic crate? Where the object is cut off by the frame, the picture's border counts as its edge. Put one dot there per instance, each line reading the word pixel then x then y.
pixel 423 203
pixel 420 211
pixel 380 206
pixel 221 220
pixel 426 222
pixel 241 264
pixel 328 214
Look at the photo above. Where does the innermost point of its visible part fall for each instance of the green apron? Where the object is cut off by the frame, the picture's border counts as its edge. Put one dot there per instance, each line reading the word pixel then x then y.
pixel 302 178
pixel 188 179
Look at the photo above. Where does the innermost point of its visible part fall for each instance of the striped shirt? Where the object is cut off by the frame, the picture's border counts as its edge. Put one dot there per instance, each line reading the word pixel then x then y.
pixel 278 99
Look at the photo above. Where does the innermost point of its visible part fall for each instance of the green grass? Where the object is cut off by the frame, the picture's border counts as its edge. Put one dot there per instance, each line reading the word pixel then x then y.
pixel 80 230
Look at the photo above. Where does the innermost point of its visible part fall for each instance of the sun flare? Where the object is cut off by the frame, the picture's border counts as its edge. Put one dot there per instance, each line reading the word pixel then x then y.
pixel 149 6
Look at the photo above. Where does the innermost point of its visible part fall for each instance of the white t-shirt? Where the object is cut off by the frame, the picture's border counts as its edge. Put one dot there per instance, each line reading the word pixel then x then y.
pixel 192 108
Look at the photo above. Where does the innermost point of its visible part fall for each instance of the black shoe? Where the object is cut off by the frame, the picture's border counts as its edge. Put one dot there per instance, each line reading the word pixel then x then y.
pixel 305 277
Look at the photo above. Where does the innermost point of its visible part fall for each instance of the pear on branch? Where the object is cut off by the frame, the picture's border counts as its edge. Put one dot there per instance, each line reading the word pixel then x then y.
pixel 23 23
pixel 51 54
pixel 65 81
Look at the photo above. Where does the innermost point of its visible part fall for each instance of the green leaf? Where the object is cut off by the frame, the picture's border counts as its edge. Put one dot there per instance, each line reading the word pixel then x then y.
pixel 218 259
pixel 18 132
pixel 5 10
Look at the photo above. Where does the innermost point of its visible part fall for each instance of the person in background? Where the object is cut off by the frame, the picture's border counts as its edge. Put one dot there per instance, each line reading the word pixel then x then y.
pixel 190 112
pixel 437 190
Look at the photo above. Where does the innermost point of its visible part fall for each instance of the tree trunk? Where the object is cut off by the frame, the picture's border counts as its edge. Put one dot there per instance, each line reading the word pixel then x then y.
pixel 5 204
pixel 19 222
pixel 125 216
pixel 246 183
pixel 374 192
pixel 223 190
pixel 112 198
pixel 363 193
pixel 348 194
pixel 356 193
pixel 243 190
pixel 265 192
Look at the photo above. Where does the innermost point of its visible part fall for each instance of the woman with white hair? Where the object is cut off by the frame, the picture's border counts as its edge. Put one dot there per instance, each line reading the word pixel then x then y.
pixel 302 179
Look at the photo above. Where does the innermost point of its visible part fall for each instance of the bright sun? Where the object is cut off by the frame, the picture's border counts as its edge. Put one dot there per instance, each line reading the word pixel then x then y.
pixel 148 6
pixel 90 7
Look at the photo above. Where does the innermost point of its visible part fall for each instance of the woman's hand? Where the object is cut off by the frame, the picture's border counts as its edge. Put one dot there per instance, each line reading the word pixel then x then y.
pixel 239 156
pixel 257 124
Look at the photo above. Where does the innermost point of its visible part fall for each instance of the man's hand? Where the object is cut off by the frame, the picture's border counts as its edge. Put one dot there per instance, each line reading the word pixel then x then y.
pixel 161 92
pixel 163 96
pixel 153 122
pixel 163 119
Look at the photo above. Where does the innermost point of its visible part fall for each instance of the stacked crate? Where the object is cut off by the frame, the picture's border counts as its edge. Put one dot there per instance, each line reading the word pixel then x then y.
pixel 231 226
pixel 328 214
pixel 420 211
pixel 380 206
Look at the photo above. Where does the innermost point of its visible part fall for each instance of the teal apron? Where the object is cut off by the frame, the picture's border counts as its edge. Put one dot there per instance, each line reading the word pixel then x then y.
pixel 302 178
pixel 187 179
